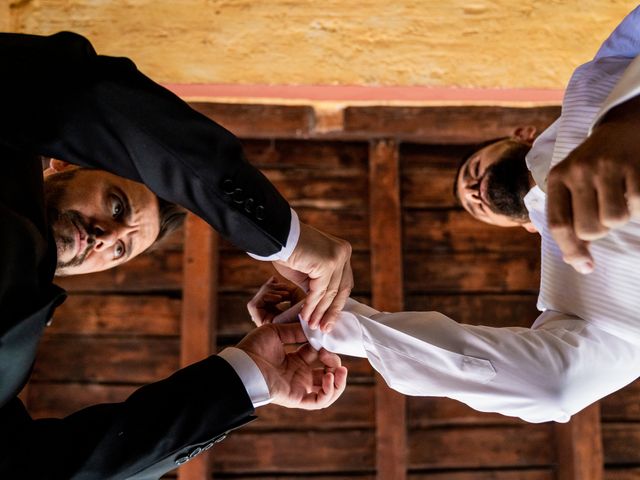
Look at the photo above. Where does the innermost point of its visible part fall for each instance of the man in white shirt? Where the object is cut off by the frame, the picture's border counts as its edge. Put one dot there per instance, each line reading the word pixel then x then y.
pixel 586 343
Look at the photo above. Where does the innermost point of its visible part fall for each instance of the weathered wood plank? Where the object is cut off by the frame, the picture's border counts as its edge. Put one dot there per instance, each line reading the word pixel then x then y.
pixel 199 292
pixel 303 476
pixel 266 120
pixel 199 313
pixel 579 446
pixel 620 442
pixel 307 154
pixel 325 189
pixel 427 174
pixel 121 360
pixel 429 412
pixel 457 231
pixel 624 405
pixel 295 452
pixel 387 295
pixel 507 310
pixel 444 124
pixel 537 474
pixel 472 272
pixel 482 447
pixel 622 474
pixel 117 315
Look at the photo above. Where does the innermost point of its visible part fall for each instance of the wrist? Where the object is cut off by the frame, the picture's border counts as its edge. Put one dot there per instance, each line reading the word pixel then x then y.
pixel 265 369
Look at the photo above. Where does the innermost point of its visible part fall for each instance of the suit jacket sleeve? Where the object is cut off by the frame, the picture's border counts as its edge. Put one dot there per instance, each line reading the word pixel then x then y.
pixel 159 427
pixel 62 100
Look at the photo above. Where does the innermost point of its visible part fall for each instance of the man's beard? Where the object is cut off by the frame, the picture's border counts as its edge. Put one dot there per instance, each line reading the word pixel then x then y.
pixel 54 188
pixel 508 184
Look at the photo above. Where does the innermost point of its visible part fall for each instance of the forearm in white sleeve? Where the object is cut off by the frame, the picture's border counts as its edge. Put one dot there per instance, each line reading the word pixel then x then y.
pixel 548 372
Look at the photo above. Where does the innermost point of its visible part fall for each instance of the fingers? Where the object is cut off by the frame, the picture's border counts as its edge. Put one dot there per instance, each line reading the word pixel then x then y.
pixel 632 182
pixel 290 333
pixel 327 296
pixel 307 353
pixel 586 216
pixel 333 385
pixel 264 306
pixel 290 315
pixel 325 301
pixel 323 260
pixel 614 211
pixel 332 303
pixel 329 359
pixel 298 277
pixel 560 219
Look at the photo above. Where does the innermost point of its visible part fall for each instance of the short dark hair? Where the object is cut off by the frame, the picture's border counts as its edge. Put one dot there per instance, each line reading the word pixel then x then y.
pixel 475 148
pixel 171 218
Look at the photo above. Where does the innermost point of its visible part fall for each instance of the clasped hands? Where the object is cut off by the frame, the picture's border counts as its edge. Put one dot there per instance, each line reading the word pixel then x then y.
pixel 303 378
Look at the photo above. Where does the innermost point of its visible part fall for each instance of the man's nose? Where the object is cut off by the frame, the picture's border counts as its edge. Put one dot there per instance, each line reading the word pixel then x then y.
pixel 106 234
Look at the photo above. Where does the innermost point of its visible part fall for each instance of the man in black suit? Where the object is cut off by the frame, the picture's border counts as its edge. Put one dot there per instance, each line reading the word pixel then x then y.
pixel 61 100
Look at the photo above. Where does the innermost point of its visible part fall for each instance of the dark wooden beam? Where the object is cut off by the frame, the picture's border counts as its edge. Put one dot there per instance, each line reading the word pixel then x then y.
pixel 387 294
pixel 423 124
pixel 579 446
pixel 199 309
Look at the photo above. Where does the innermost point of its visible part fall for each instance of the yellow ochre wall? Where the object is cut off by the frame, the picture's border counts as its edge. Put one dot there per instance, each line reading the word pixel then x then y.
pixel 445 43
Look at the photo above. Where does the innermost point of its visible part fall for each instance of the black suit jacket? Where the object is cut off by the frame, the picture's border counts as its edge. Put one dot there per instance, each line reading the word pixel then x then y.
pixel 60 99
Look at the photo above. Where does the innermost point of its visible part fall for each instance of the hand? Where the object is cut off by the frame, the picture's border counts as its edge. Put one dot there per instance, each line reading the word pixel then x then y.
pixel 320 263
pixel 266 304
pixel 292 380
pixel 597 187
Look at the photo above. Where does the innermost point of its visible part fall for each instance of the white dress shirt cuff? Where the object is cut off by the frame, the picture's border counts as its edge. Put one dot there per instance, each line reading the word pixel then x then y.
pixel 249 374
pixel 627 87
pixel 292 241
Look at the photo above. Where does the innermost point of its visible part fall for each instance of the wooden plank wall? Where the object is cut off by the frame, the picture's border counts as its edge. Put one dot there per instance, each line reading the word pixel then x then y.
pixel 122 328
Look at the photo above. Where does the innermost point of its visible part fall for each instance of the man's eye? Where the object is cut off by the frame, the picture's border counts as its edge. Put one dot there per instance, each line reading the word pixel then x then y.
pixel 116 208
pixel 118 251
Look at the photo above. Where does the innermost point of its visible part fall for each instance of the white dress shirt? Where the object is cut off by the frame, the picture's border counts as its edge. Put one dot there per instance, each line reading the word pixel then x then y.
pixel 292 240
pixel 586 343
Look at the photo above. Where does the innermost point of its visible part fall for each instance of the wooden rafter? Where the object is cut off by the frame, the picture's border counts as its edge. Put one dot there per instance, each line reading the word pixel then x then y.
pixel 387 295
pixel 199 311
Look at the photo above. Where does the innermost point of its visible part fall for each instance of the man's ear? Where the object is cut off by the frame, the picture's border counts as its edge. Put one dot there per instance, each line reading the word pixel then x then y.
pixel 530 227
pixel 57 166
pixel 526 133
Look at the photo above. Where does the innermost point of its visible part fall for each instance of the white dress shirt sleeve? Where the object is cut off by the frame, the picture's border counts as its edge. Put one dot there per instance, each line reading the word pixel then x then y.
pixel 548 372
pixel 292 240
pixel 249 374
pixel 624 41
